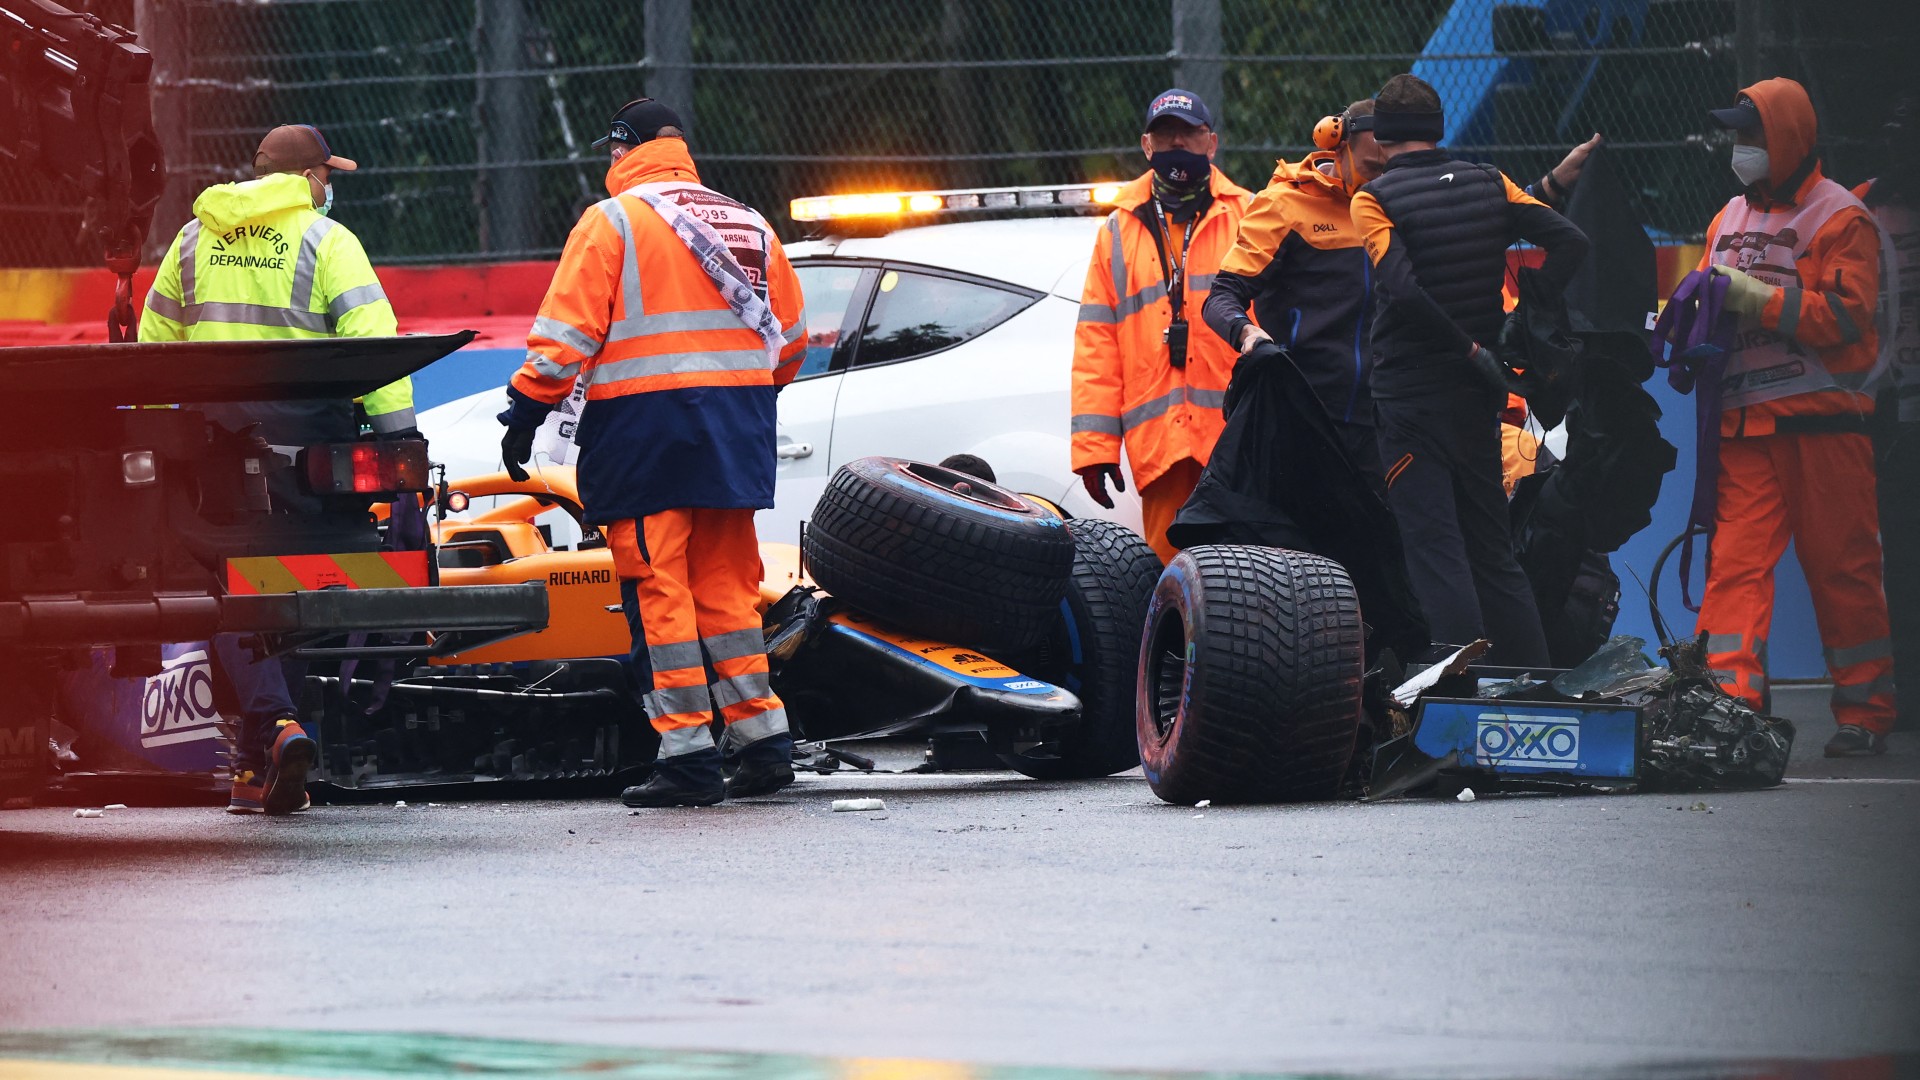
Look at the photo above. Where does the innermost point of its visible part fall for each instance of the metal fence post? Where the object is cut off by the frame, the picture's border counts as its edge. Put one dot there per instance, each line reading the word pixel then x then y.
pixel 669 30
pixel 1196 33
pixel 162 26
pixel 509 207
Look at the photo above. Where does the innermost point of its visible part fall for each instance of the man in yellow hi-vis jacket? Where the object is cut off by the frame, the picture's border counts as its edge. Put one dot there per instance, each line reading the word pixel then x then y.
pixel 262 260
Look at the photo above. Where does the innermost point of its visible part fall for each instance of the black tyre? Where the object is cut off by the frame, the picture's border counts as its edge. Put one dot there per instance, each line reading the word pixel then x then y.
pixel 940 553
pixel 1094 651
pixel 1250 672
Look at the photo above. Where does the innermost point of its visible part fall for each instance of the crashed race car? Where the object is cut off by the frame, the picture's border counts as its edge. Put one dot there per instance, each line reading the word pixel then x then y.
pixel 901 561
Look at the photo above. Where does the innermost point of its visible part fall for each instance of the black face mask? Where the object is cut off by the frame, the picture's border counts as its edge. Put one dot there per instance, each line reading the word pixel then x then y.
pixel 1180 170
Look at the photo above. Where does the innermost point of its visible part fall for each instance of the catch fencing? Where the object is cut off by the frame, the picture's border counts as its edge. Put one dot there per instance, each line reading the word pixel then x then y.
pixel 471 119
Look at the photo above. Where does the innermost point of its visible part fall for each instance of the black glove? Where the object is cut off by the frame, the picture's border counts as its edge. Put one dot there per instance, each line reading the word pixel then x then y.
pixel 516 449
pixel 1490 369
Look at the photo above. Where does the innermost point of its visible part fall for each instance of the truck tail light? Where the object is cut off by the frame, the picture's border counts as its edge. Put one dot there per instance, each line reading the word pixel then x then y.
pixel 366 468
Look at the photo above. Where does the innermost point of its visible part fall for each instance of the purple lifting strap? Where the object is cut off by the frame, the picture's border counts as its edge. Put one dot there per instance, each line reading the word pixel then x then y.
pixel 1690 340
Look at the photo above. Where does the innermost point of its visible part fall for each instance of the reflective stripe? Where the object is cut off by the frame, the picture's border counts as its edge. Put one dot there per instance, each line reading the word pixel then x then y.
pixel 676 700
pixel 1725 643
pixel 571 336
pixel 798 330
pixel 1094 422
pixel 674 322
pixel 1140 414
pixel 355 298
pixel 1862 693
pixel 1099 314
pixel 1199 282
pixel 729 692
pixel 616 215
pixel 1789 311
pixel 735 644
pixel 674 655
pixel 1118 257
pixel 681 363
pixel 551 369
pixel 189 249
pixel 308 263
pixel 1849 330
pixel 1132 305
pixel 754 728
pixel 161 304
pixel 256 315
pixel 687 740
pixel 387 423
pixel 1877 649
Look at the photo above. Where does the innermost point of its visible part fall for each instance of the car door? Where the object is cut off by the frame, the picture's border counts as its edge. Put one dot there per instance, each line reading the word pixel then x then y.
pixel 836 292
pixel 951 363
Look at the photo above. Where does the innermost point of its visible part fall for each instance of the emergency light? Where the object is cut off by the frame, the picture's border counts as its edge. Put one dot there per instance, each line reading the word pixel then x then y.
pixel 366 468
pixel 887 204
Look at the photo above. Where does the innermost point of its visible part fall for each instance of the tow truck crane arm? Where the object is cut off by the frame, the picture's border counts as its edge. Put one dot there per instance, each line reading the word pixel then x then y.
pixel 76 111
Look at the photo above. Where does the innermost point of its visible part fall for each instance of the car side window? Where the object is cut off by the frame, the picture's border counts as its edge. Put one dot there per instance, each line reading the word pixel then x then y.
pixel 829 291
pixel 915 314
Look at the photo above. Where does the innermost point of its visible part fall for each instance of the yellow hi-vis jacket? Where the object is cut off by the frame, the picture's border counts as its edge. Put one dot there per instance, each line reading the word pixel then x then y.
pixel 258 262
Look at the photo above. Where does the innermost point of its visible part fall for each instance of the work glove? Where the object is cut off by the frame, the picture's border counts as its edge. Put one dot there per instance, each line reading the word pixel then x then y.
pixel 516 449
pixel 1490 370
pixel 1746 294
pixel 1095 478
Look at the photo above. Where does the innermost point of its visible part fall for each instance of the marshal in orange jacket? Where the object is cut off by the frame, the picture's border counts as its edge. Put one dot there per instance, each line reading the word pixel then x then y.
pixel 680 398
pixel 1124 387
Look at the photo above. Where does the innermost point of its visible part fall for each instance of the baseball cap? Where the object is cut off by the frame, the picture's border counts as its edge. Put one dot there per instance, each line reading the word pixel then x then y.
pixel 637 121
pixel 1182 105
pixel 1744 116
pixel 296 148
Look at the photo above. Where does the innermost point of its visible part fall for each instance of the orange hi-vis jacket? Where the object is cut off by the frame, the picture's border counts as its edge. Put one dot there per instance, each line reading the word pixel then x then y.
pixel 680 390
pixel 1124 385
pixel 1816 342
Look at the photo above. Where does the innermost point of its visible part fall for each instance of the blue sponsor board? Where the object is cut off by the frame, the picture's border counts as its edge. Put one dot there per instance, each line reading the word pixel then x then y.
pixel 1532 737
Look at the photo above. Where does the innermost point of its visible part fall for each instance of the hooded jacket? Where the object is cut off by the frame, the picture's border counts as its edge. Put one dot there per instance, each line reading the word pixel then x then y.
pixel 680 394
pixel 1124 386
pixel 257 262
pixel 1300 266
pixel 1831 312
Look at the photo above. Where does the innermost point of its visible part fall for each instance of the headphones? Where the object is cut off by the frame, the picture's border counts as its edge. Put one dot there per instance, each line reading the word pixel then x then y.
pixel 1333 130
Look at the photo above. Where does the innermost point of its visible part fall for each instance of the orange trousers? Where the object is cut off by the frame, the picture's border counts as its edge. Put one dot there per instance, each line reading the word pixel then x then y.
pixel 1161 501
pixel 1818 491
pixel 690 584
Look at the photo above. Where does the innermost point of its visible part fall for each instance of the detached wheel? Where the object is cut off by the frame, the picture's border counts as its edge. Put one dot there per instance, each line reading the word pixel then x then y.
pixel 1094 651
pixel 1250 672
pixel 940 553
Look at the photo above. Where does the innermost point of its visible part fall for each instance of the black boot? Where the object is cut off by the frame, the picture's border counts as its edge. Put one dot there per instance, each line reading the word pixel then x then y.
pixel 762 767
pixel 683 780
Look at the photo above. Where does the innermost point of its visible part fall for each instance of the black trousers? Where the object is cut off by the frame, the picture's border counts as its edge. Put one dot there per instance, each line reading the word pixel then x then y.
pixel 1442 460
pixel 1897 457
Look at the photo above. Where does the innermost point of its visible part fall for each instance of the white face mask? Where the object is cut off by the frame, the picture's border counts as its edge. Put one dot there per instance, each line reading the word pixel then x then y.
pixel 1750 164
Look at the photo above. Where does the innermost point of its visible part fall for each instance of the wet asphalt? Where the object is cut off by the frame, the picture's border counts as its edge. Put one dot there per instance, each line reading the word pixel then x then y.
pixel 992 919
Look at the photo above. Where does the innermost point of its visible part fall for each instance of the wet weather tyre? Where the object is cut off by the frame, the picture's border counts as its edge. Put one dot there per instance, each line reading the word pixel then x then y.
pixel 940 553
pixel 1250 673
pixel 1094 651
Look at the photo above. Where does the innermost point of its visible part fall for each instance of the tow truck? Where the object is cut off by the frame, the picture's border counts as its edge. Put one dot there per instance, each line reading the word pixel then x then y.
pixel 131 522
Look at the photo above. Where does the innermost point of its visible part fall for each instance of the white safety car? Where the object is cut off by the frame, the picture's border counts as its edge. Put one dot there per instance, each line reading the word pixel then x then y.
pixel 938 323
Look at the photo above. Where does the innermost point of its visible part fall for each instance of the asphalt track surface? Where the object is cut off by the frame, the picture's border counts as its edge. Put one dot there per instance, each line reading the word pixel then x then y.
pixel 989 919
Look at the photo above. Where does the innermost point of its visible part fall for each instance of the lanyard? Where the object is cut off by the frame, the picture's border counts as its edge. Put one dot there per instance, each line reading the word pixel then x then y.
pixel 1176 272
